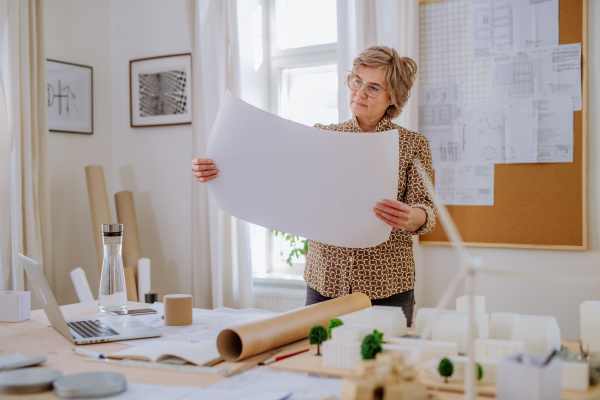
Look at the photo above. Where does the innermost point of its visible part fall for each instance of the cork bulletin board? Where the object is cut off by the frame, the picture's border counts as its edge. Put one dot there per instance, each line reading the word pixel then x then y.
pixel 536 205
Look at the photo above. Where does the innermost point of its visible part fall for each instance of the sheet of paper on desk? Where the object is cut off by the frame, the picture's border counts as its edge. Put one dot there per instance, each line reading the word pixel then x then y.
pixel 465 184
pixel 304 181
pixel 207 324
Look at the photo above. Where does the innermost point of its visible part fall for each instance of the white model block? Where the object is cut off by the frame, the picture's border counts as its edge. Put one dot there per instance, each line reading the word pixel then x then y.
pixel 495 349
pixel 459 364
pixel 15 306
pixel 501 325
pixel 429 348
pixel 411 354
pixel 540 334
pixel 590 325
pixel 462 304
pixel 453 327
pixel 340 354
pixel 350 333
pixel 483 323
pixel 391 321
pixel 523 377
pixel 576 376
pixel 423 316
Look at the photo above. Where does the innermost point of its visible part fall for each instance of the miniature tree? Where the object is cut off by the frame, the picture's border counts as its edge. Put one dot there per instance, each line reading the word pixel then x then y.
pixel 317 335
pixel 446 368
pixel 332 324
pixel 379 335
pixel 371 345
pixel 479 372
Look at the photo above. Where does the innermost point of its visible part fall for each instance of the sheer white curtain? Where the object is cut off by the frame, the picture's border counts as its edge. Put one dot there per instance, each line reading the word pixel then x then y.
pixel 222 270
pixel 365 23
pixel 24 180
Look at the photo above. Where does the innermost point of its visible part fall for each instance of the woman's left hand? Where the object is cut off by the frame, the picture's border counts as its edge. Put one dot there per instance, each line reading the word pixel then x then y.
pixel 394 213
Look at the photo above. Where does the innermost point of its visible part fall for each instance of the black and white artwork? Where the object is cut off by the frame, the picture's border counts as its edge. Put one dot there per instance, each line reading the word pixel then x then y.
pixel 70 97
pixel 161 91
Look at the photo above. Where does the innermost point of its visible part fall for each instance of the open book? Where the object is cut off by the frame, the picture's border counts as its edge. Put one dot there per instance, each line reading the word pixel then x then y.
pixel 203 353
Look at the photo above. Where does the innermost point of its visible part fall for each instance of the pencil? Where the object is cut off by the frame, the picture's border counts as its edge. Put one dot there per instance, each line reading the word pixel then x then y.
pixel 275 359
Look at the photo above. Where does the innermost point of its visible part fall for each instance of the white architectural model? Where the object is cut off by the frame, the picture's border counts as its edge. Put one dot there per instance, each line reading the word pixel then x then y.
pixel 462 304
pixel 495 349
pixel 410 354
pixel 590 325
pixel 458 363
pixel 502 324
pixel 388 320
pixel 343 350
pixel 421 319
pixel 453 327
pixel 424 314
pixel 429 348
pixel 540 334
pixel 575 376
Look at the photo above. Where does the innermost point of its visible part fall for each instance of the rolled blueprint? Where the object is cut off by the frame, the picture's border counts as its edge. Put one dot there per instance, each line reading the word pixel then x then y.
pixel 94 175
pixel 82 287
pixel 130 284
pixel 131 238
pixel 143 277
pixel 253 338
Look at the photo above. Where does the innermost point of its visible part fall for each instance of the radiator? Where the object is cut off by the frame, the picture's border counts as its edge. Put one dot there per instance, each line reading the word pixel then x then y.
pixel 279 300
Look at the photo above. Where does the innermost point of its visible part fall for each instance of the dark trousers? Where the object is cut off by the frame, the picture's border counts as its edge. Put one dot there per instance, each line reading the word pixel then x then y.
pixel 406 300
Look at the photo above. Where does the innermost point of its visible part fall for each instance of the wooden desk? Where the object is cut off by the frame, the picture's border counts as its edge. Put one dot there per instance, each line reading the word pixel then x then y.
pixel 35 337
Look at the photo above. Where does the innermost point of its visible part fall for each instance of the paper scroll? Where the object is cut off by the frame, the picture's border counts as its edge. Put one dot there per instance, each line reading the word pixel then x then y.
pixel 96 184
pixel 131 238
pixel 130 284
pixel 253 338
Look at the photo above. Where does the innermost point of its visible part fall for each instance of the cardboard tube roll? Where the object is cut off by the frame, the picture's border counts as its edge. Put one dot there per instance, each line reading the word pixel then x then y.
pixel 132 251
pixel 130 284
pixel 178 309
pixel 94 175
pixel 253 338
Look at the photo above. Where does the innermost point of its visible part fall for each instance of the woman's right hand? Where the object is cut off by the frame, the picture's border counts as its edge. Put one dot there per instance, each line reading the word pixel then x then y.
pixel 204 169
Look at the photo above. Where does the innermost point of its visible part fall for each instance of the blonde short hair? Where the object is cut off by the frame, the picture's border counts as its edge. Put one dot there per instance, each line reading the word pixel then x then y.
pixel 400 73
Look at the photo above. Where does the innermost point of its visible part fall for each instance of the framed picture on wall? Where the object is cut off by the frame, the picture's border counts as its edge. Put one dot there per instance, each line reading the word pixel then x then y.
pixel 70 97
pixel 161 90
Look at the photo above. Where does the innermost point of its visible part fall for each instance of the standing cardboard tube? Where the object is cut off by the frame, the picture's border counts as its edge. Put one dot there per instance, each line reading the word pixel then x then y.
pixel 253 338
pixel 178 309
pixel 94 175
pixel 132 294
pixel 132 251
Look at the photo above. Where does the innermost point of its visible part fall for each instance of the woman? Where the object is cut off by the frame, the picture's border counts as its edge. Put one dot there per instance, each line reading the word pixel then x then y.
pixel 379 85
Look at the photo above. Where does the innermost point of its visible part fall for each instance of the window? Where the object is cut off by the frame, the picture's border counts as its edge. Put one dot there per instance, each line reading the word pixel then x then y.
pixel 302 58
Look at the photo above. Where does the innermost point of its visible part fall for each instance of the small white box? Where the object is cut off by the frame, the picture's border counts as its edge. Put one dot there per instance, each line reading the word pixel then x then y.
pixel 576 376
pixel 590 325
pixel 15 306
pixel 340 354
pixel 523 377
pixel 351 333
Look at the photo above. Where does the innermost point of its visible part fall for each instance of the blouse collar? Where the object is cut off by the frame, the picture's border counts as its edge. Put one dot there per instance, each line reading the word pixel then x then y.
pixel 384 124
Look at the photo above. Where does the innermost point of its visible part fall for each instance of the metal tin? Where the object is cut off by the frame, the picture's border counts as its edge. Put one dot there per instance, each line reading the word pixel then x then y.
pixel 28 380
pixel 90 384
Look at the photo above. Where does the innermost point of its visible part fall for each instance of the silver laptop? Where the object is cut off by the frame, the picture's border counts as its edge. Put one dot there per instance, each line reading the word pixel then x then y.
pixel 88 330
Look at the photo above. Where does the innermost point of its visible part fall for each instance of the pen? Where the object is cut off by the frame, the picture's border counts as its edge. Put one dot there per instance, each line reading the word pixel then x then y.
pixel 275 359
pixel 87 353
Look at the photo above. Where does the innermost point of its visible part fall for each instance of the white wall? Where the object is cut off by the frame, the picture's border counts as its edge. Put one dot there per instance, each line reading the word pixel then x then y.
pixel 542 297
pixel 154 163
pixel 79 32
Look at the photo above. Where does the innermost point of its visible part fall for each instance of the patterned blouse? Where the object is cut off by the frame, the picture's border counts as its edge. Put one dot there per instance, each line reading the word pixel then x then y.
pixel 388 268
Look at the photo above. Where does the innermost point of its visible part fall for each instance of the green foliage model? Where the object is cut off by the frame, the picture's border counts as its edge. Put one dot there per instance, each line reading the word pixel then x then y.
pixel 332 324
pixel 479 372
pixel 379 335
pixel 371 345
pixel 446 368
pixel 317 335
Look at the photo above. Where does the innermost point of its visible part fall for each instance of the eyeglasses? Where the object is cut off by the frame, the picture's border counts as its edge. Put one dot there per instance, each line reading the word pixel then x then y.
pixel 371 91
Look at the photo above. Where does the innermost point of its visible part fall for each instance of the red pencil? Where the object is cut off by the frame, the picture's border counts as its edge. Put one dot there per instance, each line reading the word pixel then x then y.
pixel 275 359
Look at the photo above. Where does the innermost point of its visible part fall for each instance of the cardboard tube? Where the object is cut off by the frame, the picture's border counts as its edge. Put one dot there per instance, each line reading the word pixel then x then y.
pixel 94 175
pixel 131 238
pixel 130 284
pixel 253 338
pixel 178 309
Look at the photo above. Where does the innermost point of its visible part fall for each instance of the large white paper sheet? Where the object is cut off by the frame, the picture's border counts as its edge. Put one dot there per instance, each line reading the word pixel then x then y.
pixel 490 27
pixel 465 184
pixel 539 130
pixel 552 71
pixel 535 23
pixel 440 121
pixel 484 138
pixel 304 181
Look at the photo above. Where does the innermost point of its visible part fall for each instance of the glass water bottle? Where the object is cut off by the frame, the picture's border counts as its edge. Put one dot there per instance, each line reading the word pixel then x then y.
pixel 113 293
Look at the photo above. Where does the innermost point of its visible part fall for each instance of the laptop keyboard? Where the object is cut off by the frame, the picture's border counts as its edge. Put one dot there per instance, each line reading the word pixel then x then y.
pixel 91 328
